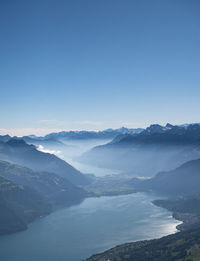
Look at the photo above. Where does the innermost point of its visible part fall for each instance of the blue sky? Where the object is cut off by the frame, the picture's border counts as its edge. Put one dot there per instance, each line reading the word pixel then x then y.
pixel 89 64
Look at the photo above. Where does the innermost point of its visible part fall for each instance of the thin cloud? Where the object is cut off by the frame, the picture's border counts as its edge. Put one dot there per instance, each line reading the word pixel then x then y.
pixel 55 152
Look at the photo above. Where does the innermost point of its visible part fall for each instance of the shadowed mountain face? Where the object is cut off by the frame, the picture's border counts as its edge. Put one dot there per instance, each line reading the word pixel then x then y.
pixel 155 149
pixel 19 152
pixel 55 189
pixel 19 205
pixel 184 180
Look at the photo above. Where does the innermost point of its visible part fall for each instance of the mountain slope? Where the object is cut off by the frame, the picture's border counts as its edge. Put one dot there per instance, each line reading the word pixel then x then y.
pixel 19 152
pixel 55 189
pixel 19 205
pixel 184 180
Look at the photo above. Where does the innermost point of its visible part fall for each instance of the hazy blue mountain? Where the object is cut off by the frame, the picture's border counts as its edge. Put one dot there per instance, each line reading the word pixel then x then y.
pixel 155 149
pixel 5 138
pixel 19 205
pixel 57 138
pixel 19 152
pixel 156 134
pixel 52 142
pixel 184 180
pixel 81 135
pixel 55 189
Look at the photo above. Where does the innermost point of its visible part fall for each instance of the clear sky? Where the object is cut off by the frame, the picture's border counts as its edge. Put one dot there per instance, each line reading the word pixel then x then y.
pixel 95 64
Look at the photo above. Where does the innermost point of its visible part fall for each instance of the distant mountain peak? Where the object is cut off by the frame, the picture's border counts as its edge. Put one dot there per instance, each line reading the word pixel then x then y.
pixel 154 128
pixel 17 142
pixel 169 126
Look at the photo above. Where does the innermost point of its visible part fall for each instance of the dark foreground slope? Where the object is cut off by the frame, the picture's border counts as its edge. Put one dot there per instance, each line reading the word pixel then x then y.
pixel 183 246
pixel 19 205
pixel 19 152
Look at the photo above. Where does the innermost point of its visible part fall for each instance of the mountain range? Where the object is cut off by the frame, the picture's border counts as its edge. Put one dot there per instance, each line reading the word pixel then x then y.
pixel 56 138
pixel 154 149
pixel 32 182
pixel 84 135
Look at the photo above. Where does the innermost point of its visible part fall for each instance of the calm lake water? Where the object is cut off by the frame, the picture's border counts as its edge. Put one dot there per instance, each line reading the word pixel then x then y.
pixel 72 234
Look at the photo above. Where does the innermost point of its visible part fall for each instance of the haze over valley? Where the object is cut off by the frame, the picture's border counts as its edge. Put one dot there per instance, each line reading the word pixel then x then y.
pixel 41 165
pixel 100 130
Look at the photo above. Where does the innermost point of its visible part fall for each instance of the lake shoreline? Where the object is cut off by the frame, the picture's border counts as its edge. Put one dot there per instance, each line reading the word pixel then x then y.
pixel 105 221
pixel 102 194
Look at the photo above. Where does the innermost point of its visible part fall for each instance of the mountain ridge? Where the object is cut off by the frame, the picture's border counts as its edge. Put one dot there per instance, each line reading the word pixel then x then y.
pixel 56 190
pixel 169 145
pixel 184 180
pixel 19 152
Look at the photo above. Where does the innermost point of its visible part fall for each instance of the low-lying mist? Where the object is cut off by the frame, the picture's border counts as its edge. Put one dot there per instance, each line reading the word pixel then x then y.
pixel 136 158
pixel 72 150
pixel 142 161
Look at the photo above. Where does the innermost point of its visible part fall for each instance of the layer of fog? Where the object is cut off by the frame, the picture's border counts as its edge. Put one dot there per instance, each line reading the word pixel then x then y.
pixel 140 160
pixel 72 150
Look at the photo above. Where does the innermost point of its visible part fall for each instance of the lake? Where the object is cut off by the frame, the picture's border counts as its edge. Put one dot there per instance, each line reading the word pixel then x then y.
pixel 74 233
